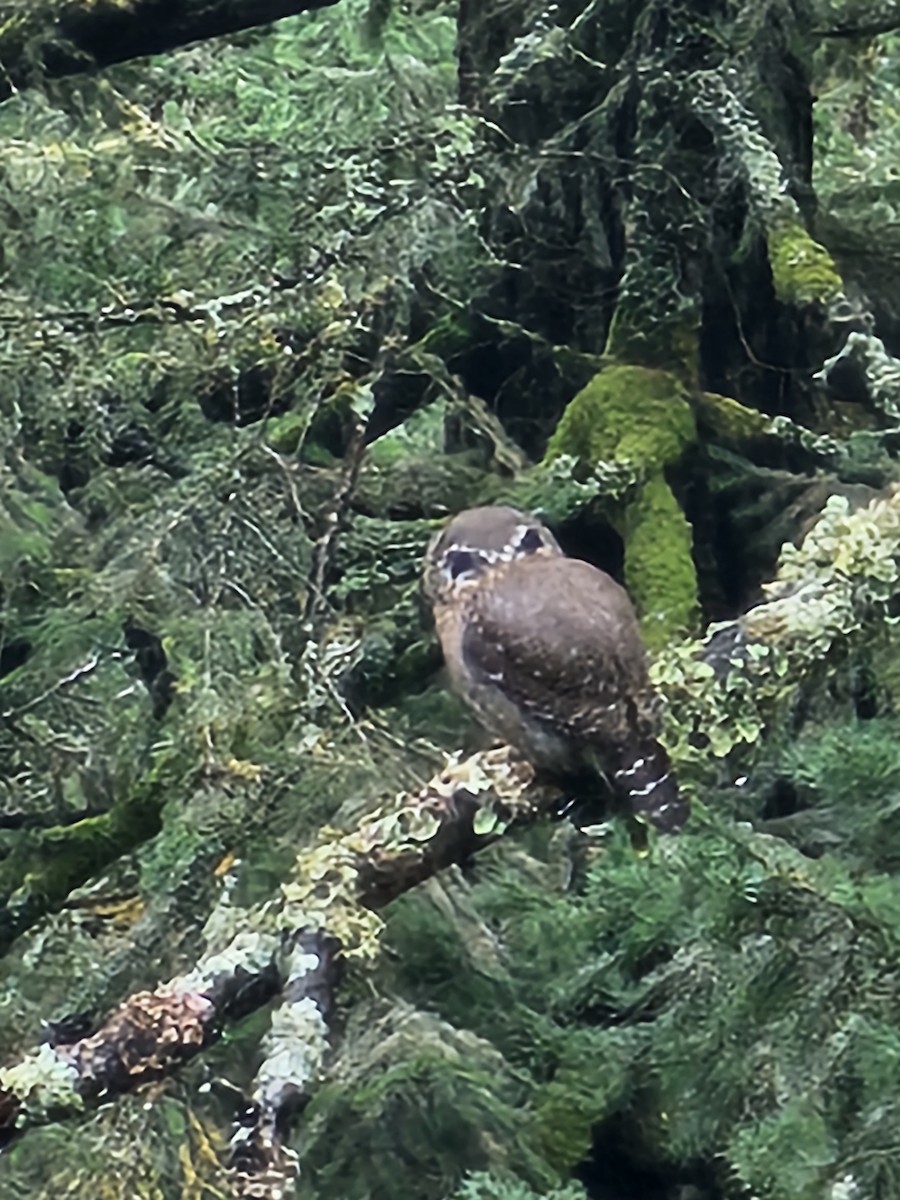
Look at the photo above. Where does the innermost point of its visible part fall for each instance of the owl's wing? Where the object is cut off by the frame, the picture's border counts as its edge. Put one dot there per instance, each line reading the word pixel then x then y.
pixel 561 640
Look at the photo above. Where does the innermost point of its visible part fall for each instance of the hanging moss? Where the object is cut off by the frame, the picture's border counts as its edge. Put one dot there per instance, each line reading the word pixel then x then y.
pixel 659 569
pixel 802 270
pixel 643 417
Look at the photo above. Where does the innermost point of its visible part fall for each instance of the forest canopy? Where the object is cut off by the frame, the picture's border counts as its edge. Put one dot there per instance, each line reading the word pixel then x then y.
pixel 284 287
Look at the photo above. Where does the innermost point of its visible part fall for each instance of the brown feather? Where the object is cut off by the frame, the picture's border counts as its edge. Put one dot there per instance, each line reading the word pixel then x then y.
pixel 548 652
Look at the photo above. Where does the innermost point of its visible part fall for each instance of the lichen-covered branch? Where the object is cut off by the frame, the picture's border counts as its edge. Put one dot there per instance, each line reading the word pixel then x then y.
pixel 733 424
pixel 149 1035
pixel 742 681
pixel 295 1049
pixel 286 948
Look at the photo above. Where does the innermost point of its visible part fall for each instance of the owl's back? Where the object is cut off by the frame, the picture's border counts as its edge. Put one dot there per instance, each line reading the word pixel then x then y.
pixel 561 640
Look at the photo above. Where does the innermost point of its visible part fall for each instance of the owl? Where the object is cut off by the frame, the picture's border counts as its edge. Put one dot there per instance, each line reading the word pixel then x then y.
pixel 548 653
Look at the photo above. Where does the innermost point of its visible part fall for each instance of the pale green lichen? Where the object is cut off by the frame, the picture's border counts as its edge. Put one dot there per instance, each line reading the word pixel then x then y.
pixel 248 950
pixel 836 590
pixel 325 890
pixel 42 1083
pixel 297 1041
pixel 641 418
pixel 324 894
pixel 557 489
pixel 789 433
pixel 803 271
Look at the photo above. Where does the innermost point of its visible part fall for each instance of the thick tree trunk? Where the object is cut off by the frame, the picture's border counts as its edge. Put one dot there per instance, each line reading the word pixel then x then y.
pixel 654 208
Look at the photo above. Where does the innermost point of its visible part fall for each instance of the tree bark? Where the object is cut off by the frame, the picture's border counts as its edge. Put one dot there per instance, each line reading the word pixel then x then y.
pixel 67 37
pixel 653 206
pixel 327 908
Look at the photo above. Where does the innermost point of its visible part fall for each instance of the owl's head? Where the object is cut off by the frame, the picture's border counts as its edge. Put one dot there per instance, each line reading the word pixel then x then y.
pixel 478 539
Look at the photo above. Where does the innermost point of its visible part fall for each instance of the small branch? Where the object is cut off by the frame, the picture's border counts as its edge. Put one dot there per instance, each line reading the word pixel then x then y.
pixel 733 423
pixel 54 38
pixel 148 1036
pixel 743 679
pixel 296 1047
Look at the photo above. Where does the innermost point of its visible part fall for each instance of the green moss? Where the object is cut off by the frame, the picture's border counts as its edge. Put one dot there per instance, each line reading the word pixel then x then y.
pixel 285 433
pixel 321 434
pixel 45 866
pixel 659 568
pixel 730 420
pixel 642 417
pixel 627 414
pixel 563 1127
pixel 803 271
pixel 452 334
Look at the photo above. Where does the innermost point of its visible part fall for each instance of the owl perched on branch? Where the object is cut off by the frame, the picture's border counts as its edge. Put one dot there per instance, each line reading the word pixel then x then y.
pixel 548 653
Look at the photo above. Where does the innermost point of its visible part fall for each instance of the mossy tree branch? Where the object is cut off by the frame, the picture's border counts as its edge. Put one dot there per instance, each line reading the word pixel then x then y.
pixel 44 867
pixel 328 906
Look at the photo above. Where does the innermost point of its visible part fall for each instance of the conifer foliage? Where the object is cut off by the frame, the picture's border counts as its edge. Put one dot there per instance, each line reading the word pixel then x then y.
pixel 273 305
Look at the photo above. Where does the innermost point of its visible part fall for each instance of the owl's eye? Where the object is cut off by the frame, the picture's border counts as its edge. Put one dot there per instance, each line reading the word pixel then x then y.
pixel 530 541
pixel 458 563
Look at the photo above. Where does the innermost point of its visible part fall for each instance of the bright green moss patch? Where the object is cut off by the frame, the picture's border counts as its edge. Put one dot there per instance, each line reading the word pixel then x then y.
pixel 643 417
pixel 452 334
pixel 627 414
pixel 729 419
pixel 803 271
pixel 659 568
pixel 285 433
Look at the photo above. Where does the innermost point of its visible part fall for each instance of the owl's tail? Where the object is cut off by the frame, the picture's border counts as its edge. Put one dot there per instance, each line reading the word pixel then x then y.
pixel 648 782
